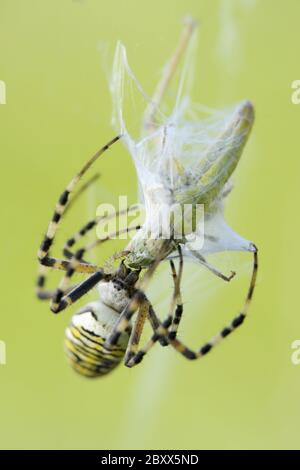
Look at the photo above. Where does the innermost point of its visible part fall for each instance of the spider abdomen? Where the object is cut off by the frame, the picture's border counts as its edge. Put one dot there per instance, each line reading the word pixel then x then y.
pixel 85 341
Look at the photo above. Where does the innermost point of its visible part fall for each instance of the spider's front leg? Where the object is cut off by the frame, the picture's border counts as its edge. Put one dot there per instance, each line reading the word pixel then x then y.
pixel 64 298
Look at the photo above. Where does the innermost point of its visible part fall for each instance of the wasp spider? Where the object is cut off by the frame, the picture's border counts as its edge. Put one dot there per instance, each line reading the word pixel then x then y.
pixel 101 335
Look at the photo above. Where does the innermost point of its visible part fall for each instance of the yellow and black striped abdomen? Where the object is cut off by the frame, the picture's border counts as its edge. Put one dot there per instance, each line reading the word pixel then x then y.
pixel 84 343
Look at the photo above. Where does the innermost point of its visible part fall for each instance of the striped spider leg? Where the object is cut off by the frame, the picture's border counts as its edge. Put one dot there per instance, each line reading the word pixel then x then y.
pixel 87 227
pixel 176 297
pixel 177 281
pixel 79 266
pixel 41 292
pixel 164 332
pixel 235 323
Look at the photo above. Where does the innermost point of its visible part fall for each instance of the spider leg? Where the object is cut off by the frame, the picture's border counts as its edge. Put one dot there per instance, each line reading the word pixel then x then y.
pixel 41 292
pixel 89 226
pixel 83 266
pixel 235 323
pixel 162 330
pixel 174 321
pixel 45 294
pixel 177 296
pixel 64 299
pixel 142 304
pixel 145 312
pixel 136 331
pixel 160 334
pixel 81 190
pixel 62 204
pixel 155 324
pixel 124 320
pixel 176 299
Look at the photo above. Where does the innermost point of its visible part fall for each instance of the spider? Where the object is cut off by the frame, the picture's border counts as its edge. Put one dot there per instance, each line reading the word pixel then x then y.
pixel 103 333
pixel 100 334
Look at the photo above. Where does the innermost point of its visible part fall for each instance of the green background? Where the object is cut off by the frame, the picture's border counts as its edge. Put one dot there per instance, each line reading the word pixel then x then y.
pixel 246 393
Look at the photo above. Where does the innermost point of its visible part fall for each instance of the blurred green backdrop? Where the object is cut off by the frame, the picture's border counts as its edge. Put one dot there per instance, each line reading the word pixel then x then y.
pixel 246 393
